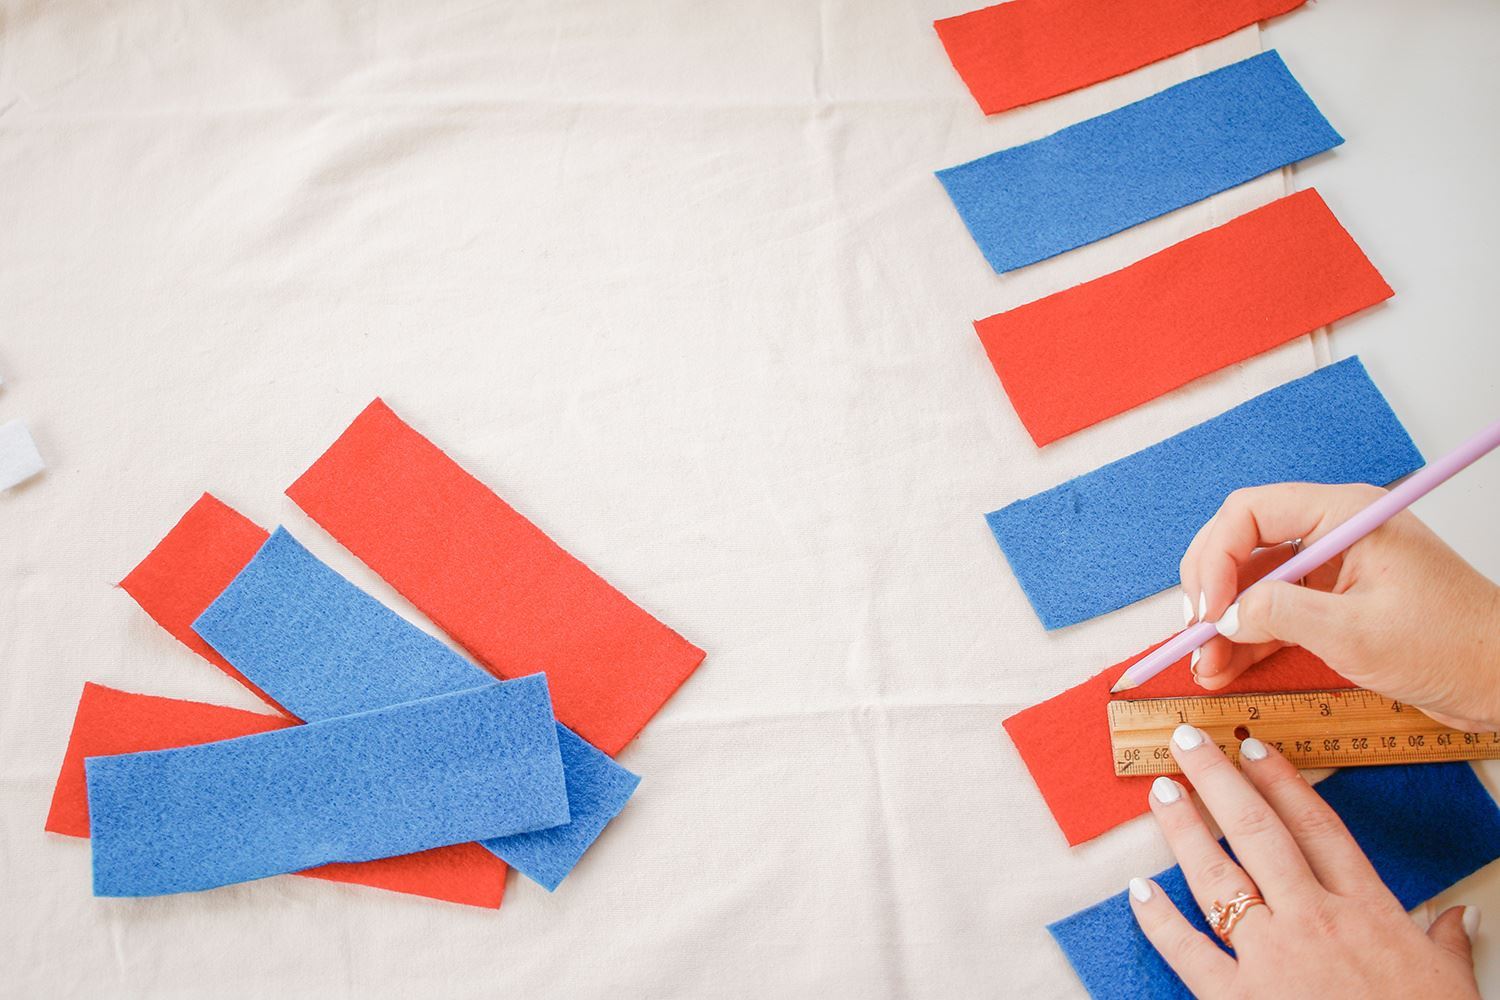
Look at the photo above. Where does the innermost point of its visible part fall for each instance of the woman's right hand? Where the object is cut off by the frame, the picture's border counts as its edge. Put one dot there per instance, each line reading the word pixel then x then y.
pixel 1399 612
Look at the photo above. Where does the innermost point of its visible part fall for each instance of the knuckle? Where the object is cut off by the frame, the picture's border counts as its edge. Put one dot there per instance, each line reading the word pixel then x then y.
pixel 1260 606
pixel 1240 500
pixel 1364 493
pixel 1317 821
pixel 1288 785
pixel 1222 872
pixel 1185 943
pixel 1320 919
pixel 1255 819
pixel 1216 768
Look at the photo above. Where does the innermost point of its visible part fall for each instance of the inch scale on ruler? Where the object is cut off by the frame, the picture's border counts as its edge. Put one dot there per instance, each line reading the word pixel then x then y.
pixel 1310 728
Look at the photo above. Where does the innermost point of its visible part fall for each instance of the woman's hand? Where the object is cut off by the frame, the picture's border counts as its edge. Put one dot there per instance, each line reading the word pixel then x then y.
pixel 1399 613
pixel 1329 927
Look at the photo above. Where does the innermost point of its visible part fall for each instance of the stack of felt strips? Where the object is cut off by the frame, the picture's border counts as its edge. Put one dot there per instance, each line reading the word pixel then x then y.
pixel 1088 353
pixel 394 762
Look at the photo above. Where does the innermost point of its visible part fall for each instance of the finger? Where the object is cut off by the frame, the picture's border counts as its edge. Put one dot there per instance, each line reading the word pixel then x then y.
pixel 1227 667
pixel 1262 516
pixel 1320 622
pixel 1259 563
pixel 1211 659
pixel 1453 931
pixel 1220 661
pixel 1260 840
pixel 1250 570
pixel 1211 874
pixel 1187 569
pixel 1198 962
pixel 1335 859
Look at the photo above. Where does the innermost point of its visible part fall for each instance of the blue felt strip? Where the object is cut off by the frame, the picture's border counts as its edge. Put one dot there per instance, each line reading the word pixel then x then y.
pixel 1112 172
pixel 423 774
pixel 323 648
pixel 1117 534
pixel 1423 826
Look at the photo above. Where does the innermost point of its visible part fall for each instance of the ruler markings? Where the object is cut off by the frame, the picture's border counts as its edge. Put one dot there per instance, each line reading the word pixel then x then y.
pixel 1345 728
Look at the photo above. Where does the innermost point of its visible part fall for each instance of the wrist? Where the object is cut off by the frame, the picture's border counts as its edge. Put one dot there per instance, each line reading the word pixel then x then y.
pixel 1489 659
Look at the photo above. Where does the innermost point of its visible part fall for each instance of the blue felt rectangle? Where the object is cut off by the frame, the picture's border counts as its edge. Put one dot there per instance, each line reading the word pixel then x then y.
pixel 1423 826
pixel 1117 534
pixel 323 648
pixel 1031 202
pixel 397 780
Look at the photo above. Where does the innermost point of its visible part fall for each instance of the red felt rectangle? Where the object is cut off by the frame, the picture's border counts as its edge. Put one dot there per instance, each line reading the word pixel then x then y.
pixel 114 722
pixel 176 581
pixel 493 580
pixel 1064 740
pixel 1097 349
pixel 190 567
pixel 1028 50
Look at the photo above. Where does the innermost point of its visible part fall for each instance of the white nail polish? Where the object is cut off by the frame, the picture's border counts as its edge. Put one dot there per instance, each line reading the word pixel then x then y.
pixel 1165 790
pixel 1471 917
pixel 1140 889
pixel 1193 660
pixel 1253 749
pixel 1187 610
pixel 1202 605
pixel 1187 738
pixel 1230 623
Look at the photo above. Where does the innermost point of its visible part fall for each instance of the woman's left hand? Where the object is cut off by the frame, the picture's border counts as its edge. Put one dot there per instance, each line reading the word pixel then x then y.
pixel 1328 927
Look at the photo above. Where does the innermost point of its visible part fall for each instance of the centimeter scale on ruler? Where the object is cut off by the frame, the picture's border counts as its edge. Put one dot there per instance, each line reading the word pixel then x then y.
pixel 1310 728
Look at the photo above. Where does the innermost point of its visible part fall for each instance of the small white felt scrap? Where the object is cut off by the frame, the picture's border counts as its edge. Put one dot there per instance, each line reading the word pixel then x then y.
pixel 19 459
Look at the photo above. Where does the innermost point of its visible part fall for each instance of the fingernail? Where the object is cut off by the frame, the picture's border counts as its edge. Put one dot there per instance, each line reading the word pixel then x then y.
pixel 1193 661
pixel 1229 624
pixel 1165 790
pixel 1253 749
pixel 1187 610
pixel 1187 738
pixel 1471 914
pixel 1140 890
pixel 1202 605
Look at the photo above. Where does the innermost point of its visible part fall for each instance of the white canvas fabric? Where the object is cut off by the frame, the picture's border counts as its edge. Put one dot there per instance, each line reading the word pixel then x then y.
pixel 677 281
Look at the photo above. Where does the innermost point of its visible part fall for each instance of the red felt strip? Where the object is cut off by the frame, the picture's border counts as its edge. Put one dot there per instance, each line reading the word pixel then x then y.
pixel 493 580
pixel 111 722
pixel 190 567
pixel 176 581
pixel 1065 739
pixel 1084 354
pixel 1028 50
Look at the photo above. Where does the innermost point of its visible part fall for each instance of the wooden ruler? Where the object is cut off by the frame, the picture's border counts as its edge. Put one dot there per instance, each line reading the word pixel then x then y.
pixel 1310 728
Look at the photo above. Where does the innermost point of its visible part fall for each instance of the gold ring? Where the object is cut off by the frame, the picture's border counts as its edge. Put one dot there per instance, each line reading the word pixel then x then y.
pixel 1223 916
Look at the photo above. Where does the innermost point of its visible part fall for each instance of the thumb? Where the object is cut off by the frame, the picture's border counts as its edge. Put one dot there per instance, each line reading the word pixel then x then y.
pixel 1273 610
pixel 1454 932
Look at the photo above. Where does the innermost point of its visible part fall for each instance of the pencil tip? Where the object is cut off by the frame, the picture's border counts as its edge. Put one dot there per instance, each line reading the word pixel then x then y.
pixel 1123 684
